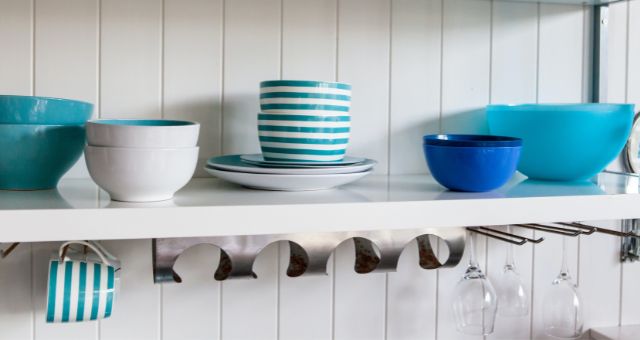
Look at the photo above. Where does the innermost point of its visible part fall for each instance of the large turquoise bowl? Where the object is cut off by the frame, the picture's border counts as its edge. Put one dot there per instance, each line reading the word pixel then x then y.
pixel 43 110
pixel 564 142
pixel 35 157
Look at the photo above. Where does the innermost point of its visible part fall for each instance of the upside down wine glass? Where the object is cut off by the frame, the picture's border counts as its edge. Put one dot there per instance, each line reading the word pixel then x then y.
pixel 513 297
pixel 475 301
pixel 563 305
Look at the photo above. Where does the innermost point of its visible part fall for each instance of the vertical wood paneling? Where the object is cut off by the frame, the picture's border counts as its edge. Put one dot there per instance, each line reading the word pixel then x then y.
pixel 309 39
pixel 411 299
pixel 66 49
pixel 66 37
pixel 359 300
pixel 136 313
pixel 193 69
pixel 250 307
pixel 514 50
pixel 513 80
pixel 308 52
pixel 131 58
pixel 15 31
pixel 190 309
pixel 363 61
pixel 415 81
pixel 42 253
pixel 251 54
pixel 560 74
pixel 305 304
pixel 16 312
pixel 600 258
pixel 617 52
pixel 465 65
pixel 631 271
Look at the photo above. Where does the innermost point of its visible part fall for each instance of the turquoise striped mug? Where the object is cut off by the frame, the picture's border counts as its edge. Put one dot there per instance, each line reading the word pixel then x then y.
pixel 286 137
pixel 304 120
pixel 311 97
pixel 80 290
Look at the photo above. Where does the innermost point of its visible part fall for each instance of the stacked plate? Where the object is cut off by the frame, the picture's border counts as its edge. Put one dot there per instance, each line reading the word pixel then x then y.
pixel 256 172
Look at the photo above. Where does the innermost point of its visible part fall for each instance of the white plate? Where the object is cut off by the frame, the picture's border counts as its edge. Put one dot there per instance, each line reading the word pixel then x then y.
pixel 234 163
pixel 286 182
pixel 257 159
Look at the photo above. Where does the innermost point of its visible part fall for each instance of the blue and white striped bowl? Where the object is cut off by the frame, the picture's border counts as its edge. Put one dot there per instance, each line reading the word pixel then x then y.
pixel 305 97
pixel 313 138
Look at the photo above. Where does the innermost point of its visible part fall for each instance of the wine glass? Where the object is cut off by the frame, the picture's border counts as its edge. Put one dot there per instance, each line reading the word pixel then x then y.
pixel 475 301
pixel 514 300
pixel 563 305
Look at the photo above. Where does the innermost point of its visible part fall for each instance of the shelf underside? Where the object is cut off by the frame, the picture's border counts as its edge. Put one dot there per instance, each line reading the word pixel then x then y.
pixel 210 207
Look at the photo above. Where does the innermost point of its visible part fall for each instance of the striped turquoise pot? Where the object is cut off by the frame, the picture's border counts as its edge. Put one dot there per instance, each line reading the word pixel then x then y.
pixel 313 138
pixel 305 97
pixel 79 291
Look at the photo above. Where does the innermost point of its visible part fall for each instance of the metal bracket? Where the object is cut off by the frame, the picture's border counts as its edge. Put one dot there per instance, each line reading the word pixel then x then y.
pixel 600 57
pixel 630 245
pixel 376 251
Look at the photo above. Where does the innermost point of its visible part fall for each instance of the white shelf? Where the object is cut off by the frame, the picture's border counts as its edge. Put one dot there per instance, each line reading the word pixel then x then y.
pixel 209 207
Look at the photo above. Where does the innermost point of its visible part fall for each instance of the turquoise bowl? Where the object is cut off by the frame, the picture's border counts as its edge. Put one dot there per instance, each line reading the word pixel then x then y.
pixel 564 142
pixel 35 157
pixel 43 110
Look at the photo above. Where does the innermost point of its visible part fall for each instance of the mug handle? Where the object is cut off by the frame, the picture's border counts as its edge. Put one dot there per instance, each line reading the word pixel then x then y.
pixel 84 243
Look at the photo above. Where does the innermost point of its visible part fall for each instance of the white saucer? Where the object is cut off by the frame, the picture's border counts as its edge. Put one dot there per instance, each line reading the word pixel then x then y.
pixel 235 163
pixel 257 159
pixel 286 182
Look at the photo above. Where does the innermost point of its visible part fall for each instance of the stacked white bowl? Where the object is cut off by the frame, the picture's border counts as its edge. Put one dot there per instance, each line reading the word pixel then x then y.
pixel 304 120
pixel 141 160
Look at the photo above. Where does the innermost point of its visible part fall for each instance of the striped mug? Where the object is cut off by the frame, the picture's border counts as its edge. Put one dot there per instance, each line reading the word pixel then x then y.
pixel 304 120
pixel 80 290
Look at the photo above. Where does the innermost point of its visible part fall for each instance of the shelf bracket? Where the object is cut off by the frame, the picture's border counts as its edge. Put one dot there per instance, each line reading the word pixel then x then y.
pixel 599 56
pixel 375 251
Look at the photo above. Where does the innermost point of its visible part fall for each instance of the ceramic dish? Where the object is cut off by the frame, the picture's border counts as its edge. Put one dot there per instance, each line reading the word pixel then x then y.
pixel 286 182
pixel 234 163
pixel 472 163
pixel 142 133
pixel 35 157
pixel 258 159
pixel 305 137
pixel 43 110
pixel 141 175
pixel 564 142
pixel 305 97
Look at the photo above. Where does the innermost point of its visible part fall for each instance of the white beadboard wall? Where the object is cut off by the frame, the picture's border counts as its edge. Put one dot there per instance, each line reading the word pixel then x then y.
pixel 417 66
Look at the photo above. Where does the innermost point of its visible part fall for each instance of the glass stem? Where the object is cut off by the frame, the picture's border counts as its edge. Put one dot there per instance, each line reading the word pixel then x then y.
pixel 472 255
pixel 564 270
pixel 509 262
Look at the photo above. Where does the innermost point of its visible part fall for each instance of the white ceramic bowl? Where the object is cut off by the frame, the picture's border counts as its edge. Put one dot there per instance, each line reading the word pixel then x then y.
pixel 141 175
pixel 142 133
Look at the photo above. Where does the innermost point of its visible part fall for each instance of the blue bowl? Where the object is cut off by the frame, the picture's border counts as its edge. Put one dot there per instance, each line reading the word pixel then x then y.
pixel 471 163
pixel 38 155
pixel 43 110
pixel 564 142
